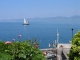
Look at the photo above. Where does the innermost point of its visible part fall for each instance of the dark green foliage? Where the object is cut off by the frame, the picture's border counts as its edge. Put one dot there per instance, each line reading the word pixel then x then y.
pixel 3 54
pixel 20 51
pixel 2 46
pixel 75 49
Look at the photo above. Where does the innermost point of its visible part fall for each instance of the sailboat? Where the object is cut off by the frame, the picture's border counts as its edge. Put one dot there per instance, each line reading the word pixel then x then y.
pixel 25 22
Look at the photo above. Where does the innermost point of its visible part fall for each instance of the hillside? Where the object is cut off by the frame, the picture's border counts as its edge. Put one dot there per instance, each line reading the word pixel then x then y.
pixel 56 20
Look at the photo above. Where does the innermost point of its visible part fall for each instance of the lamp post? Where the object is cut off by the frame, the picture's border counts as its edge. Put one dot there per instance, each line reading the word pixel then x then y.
pixel 72 32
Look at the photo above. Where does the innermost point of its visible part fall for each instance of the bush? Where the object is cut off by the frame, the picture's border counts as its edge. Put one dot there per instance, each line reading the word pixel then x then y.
pixel 21 51
pixel 75 49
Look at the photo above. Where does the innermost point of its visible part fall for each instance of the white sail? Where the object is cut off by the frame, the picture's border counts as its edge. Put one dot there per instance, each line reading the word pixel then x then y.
pixel 25 22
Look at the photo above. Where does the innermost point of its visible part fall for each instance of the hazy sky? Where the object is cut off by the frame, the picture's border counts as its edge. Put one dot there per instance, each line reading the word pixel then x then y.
pixel 10 9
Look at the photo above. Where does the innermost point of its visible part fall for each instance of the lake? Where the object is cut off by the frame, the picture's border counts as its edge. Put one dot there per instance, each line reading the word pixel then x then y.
pixel 44 32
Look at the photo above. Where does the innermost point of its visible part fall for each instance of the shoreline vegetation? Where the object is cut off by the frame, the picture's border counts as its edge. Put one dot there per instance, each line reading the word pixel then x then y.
pixel 20 50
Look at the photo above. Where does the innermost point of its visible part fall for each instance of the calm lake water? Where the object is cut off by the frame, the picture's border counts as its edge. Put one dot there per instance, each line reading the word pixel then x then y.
pixel 44 32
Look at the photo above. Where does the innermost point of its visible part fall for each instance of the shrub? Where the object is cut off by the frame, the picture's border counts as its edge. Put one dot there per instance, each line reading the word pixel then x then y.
pixel 75 49
pixel 24 51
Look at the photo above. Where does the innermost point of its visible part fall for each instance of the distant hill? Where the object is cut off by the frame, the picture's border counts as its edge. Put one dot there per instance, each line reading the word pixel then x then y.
pixel 55 20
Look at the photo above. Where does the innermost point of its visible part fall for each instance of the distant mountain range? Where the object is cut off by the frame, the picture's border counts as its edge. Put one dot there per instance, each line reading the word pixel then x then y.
pixel 56 20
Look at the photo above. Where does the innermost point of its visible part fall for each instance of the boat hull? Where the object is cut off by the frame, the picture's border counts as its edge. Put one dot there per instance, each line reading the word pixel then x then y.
pixel 25 24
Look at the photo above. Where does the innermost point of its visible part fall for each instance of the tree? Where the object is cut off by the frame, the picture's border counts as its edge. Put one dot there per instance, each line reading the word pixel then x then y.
pixel 75 49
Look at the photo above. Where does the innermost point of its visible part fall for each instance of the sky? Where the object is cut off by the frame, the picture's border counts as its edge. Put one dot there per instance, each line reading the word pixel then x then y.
pixel 16 9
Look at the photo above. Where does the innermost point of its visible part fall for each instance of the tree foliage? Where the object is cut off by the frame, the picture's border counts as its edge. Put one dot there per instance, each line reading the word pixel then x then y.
pixel 75 49
pixel 22 51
